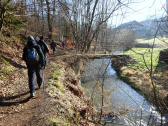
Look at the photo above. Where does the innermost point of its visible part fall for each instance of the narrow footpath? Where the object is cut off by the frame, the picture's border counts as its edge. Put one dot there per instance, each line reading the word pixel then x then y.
pixel 60 103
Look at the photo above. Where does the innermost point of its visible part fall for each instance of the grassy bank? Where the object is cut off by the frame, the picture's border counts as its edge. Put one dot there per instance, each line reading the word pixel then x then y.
pixel 137 73
pixel 144 58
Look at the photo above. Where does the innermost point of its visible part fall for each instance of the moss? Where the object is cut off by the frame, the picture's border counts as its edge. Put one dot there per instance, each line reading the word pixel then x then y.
pixel 56 74
pixel 7 70
pixel 55 80
pixel 3 61
pixel 60 86
pixel 2 77
pixel 59 122
pixel 55 87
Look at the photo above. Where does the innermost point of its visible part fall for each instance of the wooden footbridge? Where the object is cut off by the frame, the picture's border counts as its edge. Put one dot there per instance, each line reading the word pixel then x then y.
pixel 89 56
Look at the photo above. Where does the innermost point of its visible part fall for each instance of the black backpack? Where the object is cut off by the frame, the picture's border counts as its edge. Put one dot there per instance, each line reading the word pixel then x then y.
pixel 43 46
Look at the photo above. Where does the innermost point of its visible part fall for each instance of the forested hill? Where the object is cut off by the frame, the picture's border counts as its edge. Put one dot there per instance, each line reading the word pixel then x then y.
pixel 146 28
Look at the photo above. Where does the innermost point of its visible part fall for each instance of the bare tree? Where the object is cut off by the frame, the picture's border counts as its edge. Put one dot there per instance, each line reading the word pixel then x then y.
pixel 86 17
pixel 4 6
pixel 49 18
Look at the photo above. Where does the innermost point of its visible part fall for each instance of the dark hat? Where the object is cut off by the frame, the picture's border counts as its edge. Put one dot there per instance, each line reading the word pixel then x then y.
pixel 30 38
pixel 41 37
pixel 31 41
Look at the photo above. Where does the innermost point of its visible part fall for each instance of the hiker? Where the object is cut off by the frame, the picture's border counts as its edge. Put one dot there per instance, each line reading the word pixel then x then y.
pixel 44 47
pixel 53 46
pixel 35 61
pixel 64 44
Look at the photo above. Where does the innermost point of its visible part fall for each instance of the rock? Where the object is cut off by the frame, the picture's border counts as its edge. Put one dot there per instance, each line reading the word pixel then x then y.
pixel 163 56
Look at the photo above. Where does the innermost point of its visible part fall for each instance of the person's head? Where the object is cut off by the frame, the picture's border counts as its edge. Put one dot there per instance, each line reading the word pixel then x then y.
pixel 30 40
pixel 41 37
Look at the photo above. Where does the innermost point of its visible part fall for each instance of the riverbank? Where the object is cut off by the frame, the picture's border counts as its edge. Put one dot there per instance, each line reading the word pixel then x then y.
pixel 140 80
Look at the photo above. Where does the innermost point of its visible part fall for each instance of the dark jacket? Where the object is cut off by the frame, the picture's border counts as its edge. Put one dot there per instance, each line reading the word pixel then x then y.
pixel 53 45
pixel 43 46
pixel 33 44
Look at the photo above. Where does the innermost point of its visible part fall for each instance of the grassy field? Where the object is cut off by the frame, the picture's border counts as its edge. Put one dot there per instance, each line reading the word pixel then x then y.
pixel 162 41
pixel 139 53
pixel 142 55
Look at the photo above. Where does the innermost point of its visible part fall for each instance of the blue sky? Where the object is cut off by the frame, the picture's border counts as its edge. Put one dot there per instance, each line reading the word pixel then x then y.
pixel 141 10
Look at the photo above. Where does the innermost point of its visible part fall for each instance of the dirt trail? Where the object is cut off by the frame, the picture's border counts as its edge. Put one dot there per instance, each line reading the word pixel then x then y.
pixel 60 103
pixel 17 108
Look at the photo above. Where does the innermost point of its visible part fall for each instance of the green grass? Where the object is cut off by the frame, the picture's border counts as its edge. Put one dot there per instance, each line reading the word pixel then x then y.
pixel 135 54
pixel 5 69
pixel 158 41
pixel 55 81
pixel 59 122
pixel 56 74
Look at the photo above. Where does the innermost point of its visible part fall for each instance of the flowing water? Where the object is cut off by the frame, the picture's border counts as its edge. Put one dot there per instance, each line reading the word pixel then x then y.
pixel 131 108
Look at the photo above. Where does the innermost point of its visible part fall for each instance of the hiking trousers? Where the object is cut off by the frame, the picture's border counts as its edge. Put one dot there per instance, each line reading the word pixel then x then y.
pixel 34 73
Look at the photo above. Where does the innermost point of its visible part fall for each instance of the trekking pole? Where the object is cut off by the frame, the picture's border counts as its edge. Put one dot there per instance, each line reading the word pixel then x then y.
pixel 43 80
pixel 43 77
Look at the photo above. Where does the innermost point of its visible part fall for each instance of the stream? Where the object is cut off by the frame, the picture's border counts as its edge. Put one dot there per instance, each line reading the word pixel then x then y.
pixel 130 107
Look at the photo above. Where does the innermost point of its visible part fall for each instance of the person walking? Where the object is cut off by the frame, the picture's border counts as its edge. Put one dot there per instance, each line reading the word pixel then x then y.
pixel 45 50
pixel 43 45
pixel 35 61
pixel 64 44
pixel 53 46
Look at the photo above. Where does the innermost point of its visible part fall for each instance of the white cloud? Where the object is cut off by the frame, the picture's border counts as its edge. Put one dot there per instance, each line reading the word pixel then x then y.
pixel 140 10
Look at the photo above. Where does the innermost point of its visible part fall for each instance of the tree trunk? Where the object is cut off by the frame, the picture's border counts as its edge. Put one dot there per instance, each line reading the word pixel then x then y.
pixel 2 11
pixel 49 20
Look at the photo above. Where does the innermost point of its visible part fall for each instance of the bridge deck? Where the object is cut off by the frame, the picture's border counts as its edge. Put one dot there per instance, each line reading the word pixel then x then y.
pixel 89 55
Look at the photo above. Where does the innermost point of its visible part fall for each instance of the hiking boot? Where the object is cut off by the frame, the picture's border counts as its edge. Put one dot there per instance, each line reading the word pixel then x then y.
pixel 40 85
pixel 32 95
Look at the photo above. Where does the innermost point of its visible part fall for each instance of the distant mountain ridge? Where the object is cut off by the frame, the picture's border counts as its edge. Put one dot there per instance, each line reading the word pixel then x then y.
pixel 147 28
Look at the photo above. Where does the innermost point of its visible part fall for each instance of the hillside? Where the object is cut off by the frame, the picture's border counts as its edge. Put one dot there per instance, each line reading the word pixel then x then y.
pixel 61 102
pixel 146 28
